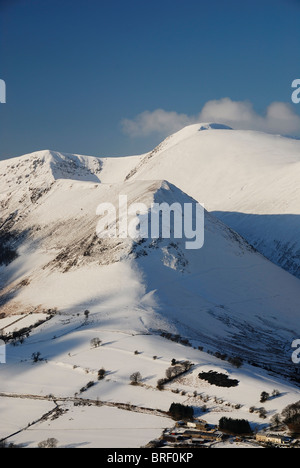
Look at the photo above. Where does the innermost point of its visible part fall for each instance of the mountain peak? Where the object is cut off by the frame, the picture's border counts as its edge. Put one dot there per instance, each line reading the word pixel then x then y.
pixel 214 126
pixel 46 166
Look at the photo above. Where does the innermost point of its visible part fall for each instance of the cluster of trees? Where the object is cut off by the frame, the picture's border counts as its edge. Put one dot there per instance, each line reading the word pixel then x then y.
pixel 234 426
pixel 49 443
pixel 176 338
pixel 218 379
pixel 265 396
pixel 178 412
pixel 88 385
pixel 235 361
pixel 177 369
pixel 291 417
pixel 262 412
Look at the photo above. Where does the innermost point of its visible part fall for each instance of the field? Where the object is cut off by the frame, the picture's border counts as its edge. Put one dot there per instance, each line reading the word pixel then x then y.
pixel 56 402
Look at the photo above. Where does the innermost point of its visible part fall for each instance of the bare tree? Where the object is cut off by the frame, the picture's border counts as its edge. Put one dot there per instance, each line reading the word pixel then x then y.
pixel 49 443
pixel 264 397
pixel 276 422
pixel 135 378
pixel 101 374
pixel 36 357
pixel 95 343
pixel 262 413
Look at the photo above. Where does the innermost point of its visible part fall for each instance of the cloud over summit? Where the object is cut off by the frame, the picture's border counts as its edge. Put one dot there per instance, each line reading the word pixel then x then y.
pixel 278 118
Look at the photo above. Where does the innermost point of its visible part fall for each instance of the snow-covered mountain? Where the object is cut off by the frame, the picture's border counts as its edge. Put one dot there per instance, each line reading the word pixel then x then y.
pixel 249 180
pixel 225 291
pixel 225 297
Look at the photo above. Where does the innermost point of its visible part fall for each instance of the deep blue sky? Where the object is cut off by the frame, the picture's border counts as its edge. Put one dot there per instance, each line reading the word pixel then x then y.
pixel 75 68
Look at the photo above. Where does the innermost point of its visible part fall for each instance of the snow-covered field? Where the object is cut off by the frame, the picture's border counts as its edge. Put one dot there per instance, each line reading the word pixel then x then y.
pixel 16 322
pixel 93 427
pixel 70 363
pixel 18 414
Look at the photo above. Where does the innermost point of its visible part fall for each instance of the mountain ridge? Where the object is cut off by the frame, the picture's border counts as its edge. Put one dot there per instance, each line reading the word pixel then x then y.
pixel 245 172
pixel 219 285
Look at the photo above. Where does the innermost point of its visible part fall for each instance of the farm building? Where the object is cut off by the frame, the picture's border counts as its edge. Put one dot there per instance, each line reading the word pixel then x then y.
pixel 272 439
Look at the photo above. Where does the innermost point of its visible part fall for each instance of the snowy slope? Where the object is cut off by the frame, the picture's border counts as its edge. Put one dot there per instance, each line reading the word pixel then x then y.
pixel 32 175
pixel 250 180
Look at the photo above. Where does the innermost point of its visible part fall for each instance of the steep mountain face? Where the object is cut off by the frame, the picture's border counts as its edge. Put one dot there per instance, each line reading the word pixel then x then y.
pixel 247 179
pixel 225 296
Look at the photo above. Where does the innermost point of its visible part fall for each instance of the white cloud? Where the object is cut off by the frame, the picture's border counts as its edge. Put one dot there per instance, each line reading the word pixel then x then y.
pixel 278 118
pixel 158 121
